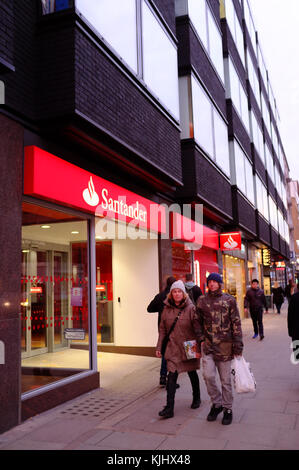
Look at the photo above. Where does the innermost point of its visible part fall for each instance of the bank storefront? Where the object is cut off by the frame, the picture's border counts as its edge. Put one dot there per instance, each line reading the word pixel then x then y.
pixel 90 266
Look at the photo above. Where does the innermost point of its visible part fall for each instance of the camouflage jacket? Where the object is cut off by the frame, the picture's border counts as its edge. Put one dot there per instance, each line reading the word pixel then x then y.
pixel 220 323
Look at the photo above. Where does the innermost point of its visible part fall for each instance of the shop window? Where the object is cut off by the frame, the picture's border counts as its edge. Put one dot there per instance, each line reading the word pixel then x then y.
pixel 104 290
pixel 54 295
pixel 181 261
pixel 234 280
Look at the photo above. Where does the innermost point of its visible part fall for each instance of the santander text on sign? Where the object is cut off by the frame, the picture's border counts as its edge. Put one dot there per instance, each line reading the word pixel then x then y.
pixel 54 179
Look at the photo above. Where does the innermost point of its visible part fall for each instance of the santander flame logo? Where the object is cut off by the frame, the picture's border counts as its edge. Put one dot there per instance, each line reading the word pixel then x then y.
pixel 89 194
pixel 231 243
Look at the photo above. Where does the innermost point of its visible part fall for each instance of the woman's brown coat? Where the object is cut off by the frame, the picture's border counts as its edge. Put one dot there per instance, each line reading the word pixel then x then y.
pixel 186 328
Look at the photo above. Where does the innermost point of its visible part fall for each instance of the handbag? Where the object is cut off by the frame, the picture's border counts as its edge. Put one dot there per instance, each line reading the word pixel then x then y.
pixel 191 349
pixel 166 339
pixel 244 380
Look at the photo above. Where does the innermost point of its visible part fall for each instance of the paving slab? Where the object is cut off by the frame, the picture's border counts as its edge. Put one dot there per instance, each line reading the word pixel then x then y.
pixel 192 443
pixel 132 441
pixel 278 420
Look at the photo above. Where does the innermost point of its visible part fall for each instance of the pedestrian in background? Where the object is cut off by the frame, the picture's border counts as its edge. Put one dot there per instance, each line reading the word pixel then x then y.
pixel 221 337
pixel 255 301
pixel 192 289
pixel 293 320
pixel 278 296
pixel 179 323
pixel 290 290
pixel 157 305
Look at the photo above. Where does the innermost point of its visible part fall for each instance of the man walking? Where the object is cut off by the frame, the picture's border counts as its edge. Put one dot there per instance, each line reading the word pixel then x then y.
pixel 221 338
pixel 192 289
pixel 157 305
pixel 255 300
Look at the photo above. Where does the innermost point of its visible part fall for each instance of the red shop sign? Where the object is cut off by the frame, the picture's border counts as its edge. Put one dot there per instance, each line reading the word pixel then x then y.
pixel 230 241
pixel 54 179
pixel 183 228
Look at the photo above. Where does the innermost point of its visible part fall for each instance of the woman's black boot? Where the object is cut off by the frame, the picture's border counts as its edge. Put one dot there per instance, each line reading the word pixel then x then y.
pixel 167 411
pixel 195 389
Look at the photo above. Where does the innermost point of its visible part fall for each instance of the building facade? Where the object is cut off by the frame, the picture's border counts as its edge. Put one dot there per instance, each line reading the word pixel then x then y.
pixel 293 202
pixel 111 110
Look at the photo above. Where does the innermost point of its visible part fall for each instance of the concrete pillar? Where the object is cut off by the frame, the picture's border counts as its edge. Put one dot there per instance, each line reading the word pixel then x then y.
pixel 11 156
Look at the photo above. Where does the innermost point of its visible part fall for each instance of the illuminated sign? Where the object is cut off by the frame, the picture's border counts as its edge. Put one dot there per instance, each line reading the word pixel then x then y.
pixel 266 257
pixel 36 290
pixel 230 241
pixel 54 179
pixel 100 288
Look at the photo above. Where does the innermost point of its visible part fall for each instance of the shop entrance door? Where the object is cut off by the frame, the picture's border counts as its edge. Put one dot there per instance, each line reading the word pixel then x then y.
pixel 45 300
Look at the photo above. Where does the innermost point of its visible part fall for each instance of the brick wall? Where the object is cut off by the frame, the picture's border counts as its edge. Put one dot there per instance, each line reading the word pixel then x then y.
pixel 7 31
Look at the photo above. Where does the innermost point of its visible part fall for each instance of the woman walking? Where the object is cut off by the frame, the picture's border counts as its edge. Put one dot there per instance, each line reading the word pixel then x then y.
pixel 278 296
pixel 179 323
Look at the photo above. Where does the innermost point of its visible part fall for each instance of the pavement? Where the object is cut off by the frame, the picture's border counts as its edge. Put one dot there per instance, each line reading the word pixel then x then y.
pixel 123 415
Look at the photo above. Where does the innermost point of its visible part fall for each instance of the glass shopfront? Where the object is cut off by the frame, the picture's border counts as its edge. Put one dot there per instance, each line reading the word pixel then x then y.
pixel 234 279
pixel 54 293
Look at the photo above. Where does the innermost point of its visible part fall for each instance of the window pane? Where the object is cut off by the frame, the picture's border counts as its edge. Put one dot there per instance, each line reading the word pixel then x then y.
pixel 239 40
pixel 54 295
pixel 221 143
pixel 202 118
pixel 244 108
pixel 197 14
pixel 249 181
pixel 215 43
pixel 116 22
pixel 160 66
pixel 234 87
pixel 240 168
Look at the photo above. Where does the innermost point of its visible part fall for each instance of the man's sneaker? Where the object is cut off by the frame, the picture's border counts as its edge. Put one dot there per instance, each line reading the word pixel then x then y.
pixel 262 337
pixel 163 380
pixel 227 417
pixel 255 336
pixel 214 412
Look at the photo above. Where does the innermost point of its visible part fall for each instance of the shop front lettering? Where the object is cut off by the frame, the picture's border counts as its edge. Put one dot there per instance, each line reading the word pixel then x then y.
pixel 120 207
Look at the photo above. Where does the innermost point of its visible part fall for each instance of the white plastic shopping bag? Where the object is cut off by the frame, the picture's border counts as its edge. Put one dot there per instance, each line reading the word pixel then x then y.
pixel 243 378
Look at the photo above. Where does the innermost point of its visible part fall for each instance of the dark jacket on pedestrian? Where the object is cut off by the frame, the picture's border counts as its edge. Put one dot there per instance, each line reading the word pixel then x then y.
pixel 193 291
pixel 157 304
pixel 187 328
pixel 221 331
pixel 278 295
pixel 293 317
pixel 255 299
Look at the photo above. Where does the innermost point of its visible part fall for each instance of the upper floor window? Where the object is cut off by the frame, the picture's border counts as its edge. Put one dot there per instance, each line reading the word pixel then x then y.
pixel 244 173
pixel 238 95
pixel 262 198
pixel 50 6
pixel 269 163
pixel 273 213
pixel 262 66
pixel 253 78
pixel 235 28
pixel 136 35
pixel 266 114
pixel 206 28
pixel 201 120
pixel 250 24
pixel 257 136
